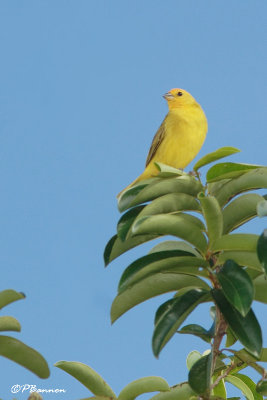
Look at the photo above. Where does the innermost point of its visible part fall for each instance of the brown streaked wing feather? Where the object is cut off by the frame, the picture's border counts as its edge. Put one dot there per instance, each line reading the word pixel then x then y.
pixel 157 140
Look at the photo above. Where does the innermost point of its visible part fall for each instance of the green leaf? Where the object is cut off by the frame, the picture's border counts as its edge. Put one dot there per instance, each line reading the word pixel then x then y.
pixel 199 376
pixel 143 385
pixel 239 211
pixel 95 398
pixel 174 245
pixel 197 330
pixel 219 390
pixel 213 216
pixel 115 247
pixel 9 324
pixel 262 208
pixel 152 286
pixel 262 387
pixel 254 179
pixel 164 307
pixel 37 396
pixel 24 355
pixel 264 355
pixel 171 203
pixel 174 316
pixel 128 195
pixel 181 392
pixel 215 155
pixel 233 398
pixel 166 171
pixel 192 357
pixel 182 184
pixel 236 381
pixel 88 377
pixel 260 286
pixel 164 261
pixel 175 225
pixel 230 338
pixel 236 242
pixel 245 258
pixel 246 329
pixel 127 220
pixel 262 250
pixel 252 385
pixel 236 286
pixel 228 170
pixel 9 296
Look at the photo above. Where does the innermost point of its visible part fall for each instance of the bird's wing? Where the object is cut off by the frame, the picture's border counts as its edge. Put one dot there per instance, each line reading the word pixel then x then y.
pixel 157 140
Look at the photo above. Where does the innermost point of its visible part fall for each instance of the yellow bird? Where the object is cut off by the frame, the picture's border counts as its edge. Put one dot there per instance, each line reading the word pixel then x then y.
pixel 179 137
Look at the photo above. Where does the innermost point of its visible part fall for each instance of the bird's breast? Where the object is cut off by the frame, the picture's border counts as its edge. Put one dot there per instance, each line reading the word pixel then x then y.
pixel 185 133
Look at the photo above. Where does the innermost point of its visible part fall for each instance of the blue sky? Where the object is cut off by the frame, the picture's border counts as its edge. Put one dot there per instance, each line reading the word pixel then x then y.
pixel 80 100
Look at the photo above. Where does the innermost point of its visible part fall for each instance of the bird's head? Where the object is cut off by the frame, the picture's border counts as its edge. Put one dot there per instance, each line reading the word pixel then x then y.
pixel 177 98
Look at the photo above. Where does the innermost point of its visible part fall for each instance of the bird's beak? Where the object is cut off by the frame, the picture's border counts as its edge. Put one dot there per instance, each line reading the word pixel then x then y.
pixel 168 96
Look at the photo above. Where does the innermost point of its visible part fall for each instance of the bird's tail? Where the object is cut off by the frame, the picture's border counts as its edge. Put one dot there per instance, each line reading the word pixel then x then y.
pixel 150 172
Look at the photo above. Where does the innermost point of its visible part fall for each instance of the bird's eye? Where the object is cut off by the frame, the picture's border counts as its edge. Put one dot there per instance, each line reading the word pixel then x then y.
pixel 179 93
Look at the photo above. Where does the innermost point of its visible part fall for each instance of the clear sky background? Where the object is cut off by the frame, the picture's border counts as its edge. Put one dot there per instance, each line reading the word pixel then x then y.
pixel 80 100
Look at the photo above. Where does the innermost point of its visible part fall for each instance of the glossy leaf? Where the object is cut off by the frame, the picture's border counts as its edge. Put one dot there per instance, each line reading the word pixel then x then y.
pixel 95 398
pixel 262 387
pixel 192 357
pixel 128 195
pixel 37 396
pixel 9 296
pixel 182 184
pixel 174 245
pixel 183 218
pixel 171 203
pixel 228 170
pixel 262 250
pixel 175 225
pixel 213 216
pixel 152 286
pixel 24 355
pixel 196 330
pixel 166 171
pixel 244 258
pixel 260 286
pixel 166 306
pixel 219 391
pixel 127 220
pixel 181 392
pixel 246 329
pixel 236 381
pixel 252 385
pixel 240 211
pixel 236 242
pixel 88 377
pixel 262 208
pixel 254 179
pixel 115 246
pixel 174 316
pixel 236 286
pixel 215 155
pixel 199 376
pixel 230 338
pixel 164 261
pixel 143 385
pixel 9 324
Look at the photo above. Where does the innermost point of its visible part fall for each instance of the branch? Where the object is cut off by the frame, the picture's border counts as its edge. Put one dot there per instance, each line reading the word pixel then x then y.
pixel 227 371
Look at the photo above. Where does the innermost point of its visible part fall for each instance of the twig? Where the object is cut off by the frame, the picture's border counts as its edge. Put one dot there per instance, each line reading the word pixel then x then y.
pixel 229 369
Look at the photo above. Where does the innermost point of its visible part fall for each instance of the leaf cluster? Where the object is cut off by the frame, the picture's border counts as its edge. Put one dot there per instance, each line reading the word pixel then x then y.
pixel 208 261
pixel 14 349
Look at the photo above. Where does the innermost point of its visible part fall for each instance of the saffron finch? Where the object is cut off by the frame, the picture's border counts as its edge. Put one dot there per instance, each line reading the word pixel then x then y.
pixel 179 137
